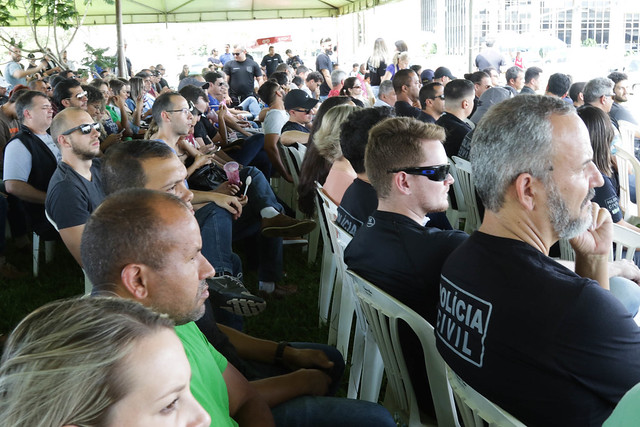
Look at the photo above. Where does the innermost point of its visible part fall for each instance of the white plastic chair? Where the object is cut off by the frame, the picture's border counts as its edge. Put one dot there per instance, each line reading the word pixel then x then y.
pixel 626 161
pixel 465 178
pixel 475 409
pixel 293 156
pixel 455 215
pixel 327 212
pixel 383 312
pixel 627 132
pixel 366 368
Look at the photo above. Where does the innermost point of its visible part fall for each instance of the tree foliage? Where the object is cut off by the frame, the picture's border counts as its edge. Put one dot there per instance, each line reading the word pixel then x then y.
pixel 50 14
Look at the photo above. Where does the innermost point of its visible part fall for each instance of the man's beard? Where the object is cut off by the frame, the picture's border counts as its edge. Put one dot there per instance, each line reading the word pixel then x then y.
pixel 564 225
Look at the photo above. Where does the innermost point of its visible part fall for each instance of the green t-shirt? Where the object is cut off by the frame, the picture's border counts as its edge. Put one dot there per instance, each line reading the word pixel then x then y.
pixel 627 412
pixel 207 366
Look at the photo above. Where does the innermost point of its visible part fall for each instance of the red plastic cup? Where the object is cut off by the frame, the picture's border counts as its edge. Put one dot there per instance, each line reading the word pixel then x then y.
pixel 232 169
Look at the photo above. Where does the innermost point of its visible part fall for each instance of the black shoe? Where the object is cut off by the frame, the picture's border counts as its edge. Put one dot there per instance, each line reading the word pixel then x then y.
pixel 228 293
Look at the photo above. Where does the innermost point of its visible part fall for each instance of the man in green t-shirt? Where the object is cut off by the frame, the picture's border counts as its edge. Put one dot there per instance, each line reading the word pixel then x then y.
pixel 145 245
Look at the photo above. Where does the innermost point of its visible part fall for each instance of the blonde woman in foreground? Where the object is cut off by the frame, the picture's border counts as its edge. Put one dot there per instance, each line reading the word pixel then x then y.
pixel 96 362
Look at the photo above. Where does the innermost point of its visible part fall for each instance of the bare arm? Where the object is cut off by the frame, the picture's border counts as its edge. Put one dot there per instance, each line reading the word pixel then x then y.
pixel 327 77
pixel 246 406
pixel 72 236
pixel 25 191
pixel 292 136
pixel 271 147
pixel 20 73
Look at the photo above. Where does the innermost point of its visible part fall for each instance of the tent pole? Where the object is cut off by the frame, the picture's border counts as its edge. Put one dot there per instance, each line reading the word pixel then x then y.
pixel 122 65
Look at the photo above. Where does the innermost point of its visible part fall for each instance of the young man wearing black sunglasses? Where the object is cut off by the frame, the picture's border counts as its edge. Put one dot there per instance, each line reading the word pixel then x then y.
pixel 407 165
pixel 75 189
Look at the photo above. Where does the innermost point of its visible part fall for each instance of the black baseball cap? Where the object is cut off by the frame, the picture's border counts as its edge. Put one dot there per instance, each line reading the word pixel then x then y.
pixel 298 98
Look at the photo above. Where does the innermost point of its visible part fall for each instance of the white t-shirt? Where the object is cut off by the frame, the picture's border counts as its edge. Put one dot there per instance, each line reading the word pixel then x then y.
pixel 274 120
pixel 17 158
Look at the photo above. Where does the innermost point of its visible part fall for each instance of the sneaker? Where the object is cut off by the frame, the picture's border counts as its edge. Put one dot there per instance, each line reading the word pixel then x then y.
pixel 285 226
pixel 228 293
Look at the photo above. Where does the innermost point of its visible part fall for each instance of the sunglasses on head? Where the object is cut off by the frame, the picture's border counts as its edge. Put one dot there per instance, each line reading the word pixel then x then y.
pixel 434 173
pixel 84 128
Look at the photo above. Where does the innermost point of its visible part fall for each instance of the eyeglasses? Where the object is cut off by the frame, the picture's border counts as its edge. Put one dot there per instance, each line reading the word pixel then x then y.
pixel 438 97
pixel 81 95
pixel 184 111
pixel 302 110
pixel 434 173
pixel 237 53
pixel 84 128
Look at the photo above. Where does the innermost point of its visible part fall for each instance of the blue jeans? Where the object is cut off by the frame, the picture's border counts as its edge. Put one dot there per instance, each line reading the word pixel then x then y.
pixel 252 153
pixel 260 196
pixel 627 292
pixel 320 411
pixel 218 229
pixel 215 228
pixel 251 105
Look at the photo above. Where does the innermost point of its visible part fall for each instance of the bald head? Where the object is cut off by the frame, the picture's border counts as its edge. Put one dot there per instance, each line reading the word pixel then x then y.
pixel 65 120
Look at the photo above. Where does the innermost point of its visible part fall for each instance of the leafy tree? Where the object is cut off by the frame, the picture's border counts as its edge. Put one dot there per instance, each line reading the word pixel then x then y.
pixel 97 57
pixel 54 15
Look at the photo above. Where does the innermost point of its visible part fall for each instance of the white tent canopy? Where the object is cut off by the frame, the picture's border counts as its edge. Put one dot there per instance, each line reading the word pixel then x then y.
pixel 172 11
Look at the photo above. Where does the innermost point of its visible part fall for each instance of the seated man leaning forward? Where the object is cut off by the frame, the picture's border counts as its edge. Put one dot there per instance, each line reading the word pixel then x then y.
pixel 145 245
pixel 407 165
pixel 550 346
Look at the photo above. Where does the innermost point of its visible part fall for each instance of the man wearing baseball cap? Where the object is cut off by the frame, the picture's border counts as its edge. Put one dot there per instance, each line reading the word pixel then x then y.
pixel 299 105
pixel 443 75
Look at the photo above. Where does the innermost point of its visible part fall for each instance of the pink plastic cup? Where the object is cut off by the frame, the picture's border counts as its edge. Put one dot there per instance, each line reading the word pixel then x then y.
pixel 232 169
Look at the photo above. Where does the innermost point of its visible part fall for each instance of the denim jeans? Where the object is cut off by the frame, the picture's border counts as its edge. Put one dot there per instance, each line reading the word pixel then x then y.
pixel 627 292
pixel 252 153
pixel 218 229
pixel 260 196
pixel 320 411
pixel 251 105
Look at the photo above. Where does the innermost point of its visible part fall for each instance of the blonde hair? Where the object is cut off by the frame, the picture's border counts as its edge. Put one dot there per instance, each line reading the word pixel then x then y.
pixel 64 363
pixel 327 138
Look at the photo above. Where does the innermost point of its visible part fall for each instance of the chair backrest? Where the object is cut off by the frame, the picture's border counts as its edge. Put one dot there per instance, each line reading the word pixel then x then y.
pixel 457 190
pixel 627 240
pixel 624 239
pixel 383 312
pixel 626 161
pixel 465 179
pixel 293 155
pixel 627 131
pixel 475 409
pixel 327 213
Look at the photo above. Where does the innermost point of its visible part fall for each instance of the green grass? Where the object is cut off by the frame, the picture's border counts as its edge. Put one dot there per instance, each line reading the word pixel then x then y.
pixel 294 318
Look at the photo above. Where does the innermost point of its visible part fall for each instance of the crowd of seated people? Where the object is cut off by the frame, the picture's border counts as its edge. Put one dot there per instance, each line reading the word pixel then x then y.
pixel 379 140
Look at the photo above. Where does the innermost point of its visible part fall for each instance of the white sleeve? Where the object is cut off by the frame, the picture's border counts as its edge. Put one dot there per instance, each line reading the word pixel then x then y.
pixel 274 121
pixel 17 162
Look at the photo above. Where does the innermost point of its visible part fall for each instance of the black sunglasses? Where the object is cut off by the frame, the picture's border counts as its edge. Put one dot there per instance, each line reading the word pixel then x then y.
pixel 434 173
pixel 302 110
pixel 84 128
pixel 237 53
pixel 438 96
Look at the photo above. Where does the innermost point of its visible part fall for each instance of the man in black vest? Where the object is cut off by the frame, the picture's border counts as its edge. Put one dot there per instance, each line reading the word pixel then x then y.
pixel 31 158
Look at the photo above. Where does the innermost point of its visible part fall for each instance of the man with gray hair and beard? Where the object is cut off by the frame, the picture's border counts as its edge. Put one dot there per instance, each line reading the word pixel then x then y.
pixel 549 345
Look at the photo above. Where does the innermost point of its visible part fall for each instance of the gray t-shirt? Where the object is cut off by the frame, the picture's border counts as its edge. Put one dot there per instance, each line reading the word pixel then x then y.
pixel 274 120
pixel 17 158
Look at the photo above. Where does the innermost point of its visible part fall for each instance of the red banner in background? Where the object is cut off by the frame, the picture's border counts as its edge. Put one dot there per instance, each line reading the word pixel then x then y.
pixel 271 40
